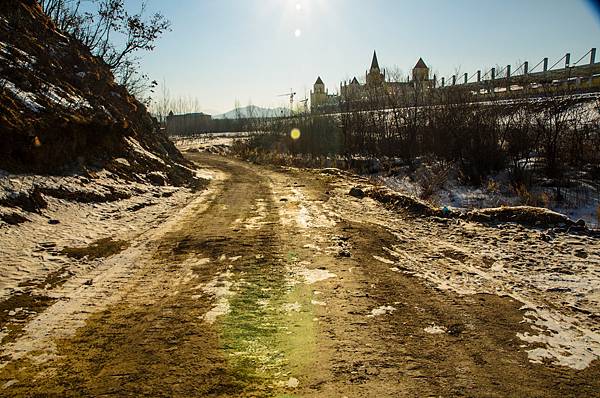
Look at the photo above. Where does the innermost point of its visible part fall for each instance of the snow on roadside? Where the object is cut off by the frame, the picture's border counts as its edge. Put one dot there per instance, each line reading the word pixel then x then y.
pixel 30 251
pixel 137 147
pixel 99 283
pixel 556 276
pixel 462 197
pixel 208 142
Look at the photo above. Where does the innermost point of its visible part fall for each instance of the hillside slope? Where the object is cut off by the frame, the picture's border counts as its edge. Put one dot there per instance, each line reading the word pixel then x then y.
pixel 62 112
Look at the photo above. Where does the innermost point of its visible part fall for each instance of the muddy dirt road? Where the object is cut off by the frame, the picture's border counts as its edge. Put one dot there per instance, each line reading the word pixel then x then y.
pixel 275 282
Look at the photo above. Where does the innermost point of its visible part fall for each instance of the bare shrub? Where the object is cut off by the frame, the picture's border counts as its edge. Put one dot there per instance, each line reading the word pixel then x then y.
pixel 431 179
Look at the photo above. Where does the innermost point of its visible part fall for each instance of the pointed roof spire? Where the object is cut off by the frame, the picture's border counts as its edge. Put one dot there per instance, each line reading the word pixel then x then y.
pixel 420 64
pixel 354 81
pixel 319 81
pixel 374 63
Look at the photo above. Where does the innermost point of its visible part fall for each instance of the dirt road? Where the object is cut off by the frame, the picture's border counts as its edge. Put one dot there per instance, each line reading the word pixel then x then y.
pixel 278 283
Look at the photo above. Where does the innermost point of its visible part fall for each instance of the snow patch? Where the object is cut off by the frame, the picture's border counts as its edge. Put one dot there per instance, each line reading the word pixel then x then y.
pixel 122 161
pixel 64 99
pixel 137 147
pixel 384 309
pixel 435 329
pixel 383 260
pixel 293 382
pixel 220 288
pixel 292 307
pixel 315 275
pixel 26 97
pixel 564 343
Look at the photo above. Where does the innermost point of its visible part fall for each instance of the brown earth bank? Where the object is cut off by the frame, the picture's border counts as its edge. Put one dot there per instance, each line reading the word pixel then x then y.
pixel 276 282
pixel 63 113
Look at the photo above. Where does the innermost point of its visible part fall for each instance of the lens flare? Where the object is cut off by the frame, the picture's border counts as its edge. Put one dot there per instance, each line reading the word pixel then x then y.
pixel 297 33
pixel 295 134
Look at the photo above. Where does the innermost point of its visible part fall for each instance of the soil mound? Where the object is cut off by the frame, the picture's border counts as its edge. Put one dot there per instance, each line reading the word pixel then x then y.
pixel 61 111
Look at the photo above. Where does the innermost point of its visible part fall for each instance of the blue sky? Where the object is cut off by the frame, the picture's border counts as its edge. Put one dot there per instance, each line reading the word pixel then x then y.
pixel 221 51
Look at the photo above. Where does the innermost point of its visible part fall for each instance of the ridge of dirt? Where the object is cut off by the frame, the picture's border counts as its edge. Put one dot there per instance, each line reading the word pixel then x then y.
pixel 523 215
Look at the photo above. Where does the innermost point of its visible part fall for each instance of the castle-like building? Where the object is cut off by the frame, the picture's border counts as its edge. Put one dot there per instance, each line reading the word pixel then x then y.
pixel 375 84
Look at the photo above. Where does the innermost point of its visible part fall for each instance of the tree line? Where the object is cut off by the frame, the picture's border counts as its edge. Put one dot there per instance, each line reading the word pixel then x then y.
pixel 552 132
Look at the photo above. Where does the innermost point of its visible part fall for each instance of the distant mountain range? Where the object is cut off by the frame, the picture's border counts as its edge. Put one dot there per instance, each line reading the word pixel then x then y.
pixel 253 111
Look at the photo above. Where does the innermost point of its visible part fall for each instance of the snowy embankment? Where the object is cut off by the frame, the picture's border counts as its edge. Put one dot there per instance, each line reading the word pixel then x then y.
pixel 99 208
pixel 580 202
pixel 53 228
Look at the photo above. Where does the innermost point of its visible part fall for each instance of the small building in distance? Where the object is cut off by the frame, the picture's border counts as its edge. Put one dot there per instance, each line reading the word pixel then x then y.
pixel 376 84
pixel 189 123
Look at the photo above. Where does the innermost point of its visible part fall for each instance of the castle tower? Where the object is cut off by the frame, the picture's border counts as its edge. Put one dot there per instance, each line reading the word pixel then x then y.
pixel 374 76
pixel 318 95
pixel 420 72
pixel 319 86
pixel 374 63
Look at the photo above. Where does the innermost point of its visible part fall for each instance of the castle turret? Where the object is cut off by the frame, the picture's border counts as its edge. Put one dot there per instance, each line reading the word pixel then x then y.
pixel 374 63
pixel 420 72
pixel 319 86
pixel 374 76
pixel 318 96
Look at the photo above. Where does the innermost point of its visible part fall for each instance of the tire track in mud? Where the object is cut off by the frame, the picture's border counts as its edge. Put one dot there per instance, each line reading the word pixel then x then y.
pixel 214 310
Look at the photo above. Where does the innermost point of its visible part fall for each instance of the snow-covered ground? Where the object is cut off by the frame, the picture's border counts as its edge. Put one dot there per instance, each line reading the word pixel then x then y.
pixel 576 204
pixel 555 276
pixel 208 142
pixel 31 251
